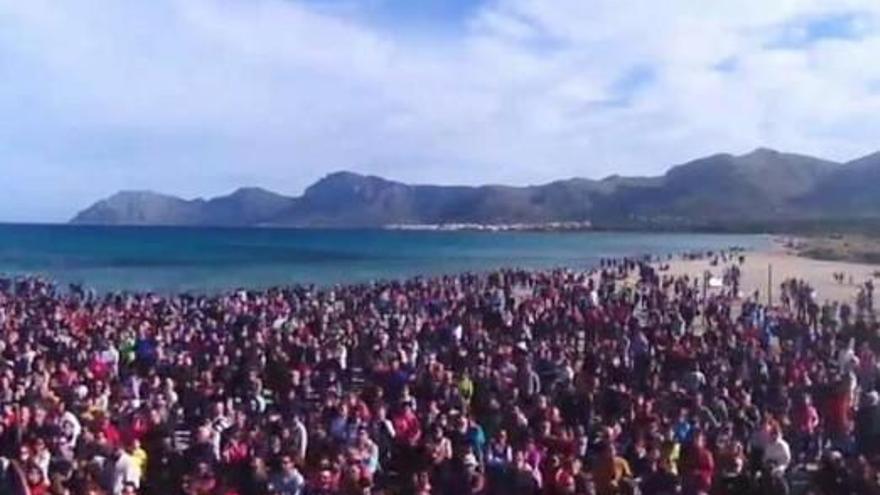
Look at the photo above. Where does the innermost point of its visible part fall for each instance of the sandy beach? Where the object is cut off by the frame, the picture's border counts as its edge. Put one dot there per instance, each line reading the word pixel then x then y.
pixel 784 264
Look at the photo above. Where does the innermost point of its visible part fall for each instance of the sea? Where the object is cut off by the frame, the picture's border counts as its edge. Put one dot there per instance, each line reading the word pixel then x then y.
pixel 205 260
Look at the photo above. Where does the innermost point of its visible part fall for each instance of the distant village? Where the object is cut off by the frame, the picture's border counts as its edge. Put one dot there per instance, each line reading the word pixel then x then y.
pixel 497 227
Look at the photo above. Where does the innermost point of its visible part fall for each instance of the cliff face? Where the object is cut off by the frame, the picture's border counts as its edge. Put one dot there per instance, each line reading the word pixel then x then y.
pixel 762 186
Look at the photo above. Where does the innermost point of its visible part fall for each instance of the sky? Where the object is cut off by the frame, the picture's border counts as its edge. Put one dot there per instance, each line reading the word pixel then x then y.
pixel 199 97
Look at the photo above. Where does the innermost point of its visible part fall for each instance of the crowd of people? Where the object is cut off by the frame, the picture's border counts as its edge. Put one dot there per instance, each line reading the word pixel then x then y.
pixel 617 380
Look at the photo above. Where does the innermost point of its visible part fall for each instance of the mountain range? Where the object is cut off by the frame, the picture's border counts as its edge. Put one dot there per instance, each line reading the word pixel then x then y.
pixel 761 187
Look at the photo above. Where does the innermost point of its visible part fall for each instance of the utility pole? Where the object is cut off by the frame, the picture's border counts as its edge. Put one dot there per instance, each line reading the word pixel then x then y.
pixel 769 285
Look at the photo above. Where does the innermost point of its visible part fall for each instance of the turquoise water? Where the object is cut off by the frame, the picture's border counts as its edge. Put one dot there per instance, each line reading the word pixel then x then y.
pixel 205 259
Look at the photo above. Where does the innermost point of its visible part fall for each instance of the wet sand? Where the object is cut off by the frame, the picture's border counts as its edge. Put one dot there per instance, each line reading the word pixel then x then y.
pixel 785 264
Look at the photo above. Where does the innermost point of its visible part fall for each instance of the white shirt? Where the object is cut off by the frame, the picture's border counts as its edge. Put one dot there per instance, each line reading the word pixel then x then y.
pixel 457 333
pixel 125 470
pixel 74 427
pixel 847 360
pixel 778 453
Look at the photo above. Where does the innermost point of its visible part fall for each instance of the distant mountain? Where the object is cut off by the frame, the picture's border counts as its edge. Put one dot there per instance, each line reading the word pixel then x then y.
pixel 758 186
pixel 853 191
pixel 244 207
pixel 762 186
pixel 345 199
pixel 141 208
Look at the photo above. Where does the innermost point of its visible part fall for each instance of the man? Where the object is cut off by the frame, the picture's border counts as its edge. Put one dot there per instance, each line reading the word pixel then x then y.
pixel 611 472
pixel 12 478
pixel 288 481
pixel 299 438
pixel 733 479
pixel 202 449
pixel 776 451
pixel 124 471
pixel 528 381
pixel 660 479
pixel 407 426
pixel 164 469
pixel 699 466
pixel 868 424
pixel 523 478
pixel 806 422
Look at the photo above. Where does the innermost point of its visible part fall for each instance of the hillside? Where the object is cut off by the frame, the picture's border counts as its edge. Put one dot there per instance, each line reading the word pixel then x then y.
pixel 760 186
pixel 142 208
pixel 244 207
pixel 763 186
pixel 852 192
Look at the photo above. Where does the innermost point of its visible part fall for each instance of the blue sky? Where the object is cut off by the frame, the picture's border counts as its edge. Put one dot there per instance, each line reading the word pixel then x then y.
pixel 432 15
pixel 198 97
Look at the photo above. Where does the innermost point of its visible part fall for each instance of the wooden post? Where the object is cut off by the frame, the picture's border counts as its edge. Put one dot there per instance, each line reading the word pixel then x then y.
pixel 706 277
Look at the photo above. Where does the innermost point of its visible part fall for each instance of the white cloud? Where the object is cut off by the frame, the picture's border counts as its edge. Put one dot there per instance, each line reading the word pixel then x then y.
pixel 199 96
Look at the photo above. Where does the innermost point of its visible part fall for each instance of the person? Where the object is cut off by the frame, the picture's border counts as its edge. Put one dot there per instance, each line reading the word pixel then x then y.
pixel 499 452
pixel 523 477
pixel 660 479
pixel 37 484
pixel 699 466
pixel 806 423
pixel 122 469
pixel 777 453
pixel 288 480
pixel 868 425
pixel 257 479
pixel 299 439
pixel 611 472
pixel 13 479
pixel 421 484
pixel 733 480
pixel 407 427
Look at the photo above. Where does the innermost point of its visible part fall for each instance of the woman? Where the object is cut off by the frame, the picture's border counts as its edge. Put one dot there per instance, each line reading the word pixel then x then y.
pixel 37 484
pixel 439 447
pixel 422 483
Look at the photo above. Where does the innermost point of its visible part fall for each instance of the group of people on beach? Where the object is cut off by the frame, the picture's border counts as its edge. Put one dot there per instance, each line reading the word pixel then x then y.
pixel 618 380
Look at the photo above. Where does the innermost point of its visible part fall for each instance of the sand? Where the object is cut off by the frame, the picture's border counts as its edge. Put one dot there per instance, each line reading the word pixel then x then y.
pixel 785 264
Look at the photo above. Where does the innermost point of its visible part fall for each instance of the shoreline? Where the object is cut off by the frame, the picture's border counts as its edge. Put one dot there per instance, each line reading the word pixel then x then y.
pixel 789 257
